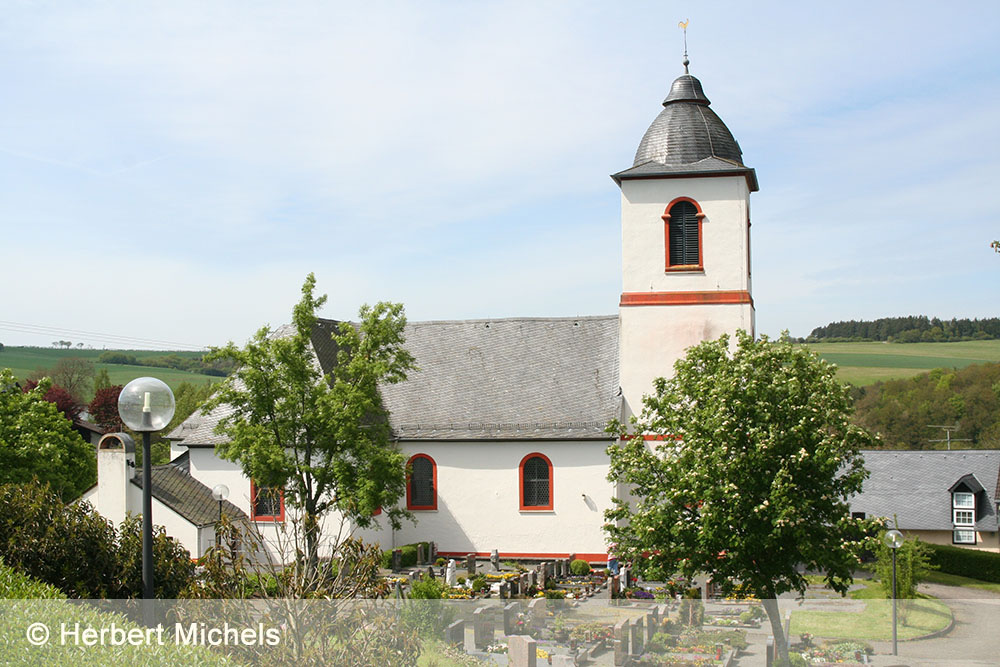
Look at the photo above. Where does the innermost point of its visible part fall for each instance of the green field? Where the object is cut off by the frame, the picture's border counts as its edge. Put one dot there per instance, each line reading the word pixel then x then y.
pixel 24 361
pixel 865 363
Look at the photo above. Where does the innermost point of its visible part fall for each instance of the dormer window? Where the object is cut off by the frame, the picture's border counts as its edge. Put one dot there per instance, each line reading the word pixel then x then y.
pixel 963 512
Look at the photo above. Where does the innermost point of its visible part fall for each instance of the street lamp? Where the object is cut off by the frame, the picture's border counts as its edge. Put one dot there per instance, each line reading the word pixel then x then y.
pixel 220 492
pixel 893 540
pixel 146 405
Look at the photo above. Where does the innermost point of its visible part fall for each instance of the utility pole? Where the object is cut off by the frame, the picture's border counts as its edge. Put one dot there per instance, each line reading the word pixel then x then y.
pixel 947 434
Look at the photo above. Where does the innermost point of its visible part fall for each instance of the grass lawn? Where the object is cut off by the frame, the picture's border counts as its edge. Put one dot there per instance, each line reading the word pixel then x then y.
pixel 965 582
pixel 866 363
pixel 874 622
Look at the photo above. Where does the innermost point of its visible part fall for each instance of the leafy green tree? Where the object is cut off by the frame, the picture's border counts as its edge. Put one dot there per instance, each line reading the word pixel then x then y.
pixel 74 374
pixel 324 439
pixel 37 442
pixel 913 564
pixel 746 475
pixel 102 380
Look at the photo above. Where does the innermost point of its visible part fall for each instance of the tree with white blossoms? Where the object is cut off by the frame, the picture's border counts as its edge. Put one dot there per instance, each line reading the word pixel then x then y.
pixel 744 473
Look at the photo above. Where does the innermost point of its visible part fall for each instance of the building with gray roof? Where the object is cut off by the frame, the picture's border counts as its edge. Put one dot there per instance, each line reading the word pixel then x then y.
pixel 944 497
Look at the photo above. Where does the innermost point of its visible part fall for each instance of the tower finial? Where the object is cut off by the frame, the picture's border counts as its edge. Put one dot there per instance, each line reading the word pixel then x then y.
pixel 683 25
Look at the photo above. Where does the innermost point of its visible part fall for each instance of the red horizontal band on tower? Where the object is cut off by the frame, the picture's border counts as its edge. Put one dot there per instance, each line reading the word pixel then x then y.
pixel 685 298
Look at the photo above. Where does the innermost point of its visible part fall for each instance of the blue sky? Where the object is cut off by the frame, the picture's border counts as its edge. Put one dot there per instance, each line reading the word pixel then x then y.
pixel 170 171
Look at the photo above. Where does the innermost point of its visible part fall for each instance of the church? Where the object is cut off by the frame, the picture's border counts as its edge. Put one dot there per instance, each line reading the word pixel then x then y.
pixel 503 424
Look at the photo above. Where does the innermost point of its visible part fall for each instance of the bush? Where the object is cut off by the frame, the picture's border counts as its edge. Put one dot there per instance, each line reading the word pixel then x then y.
pixel 479 583
pixel 982 565
pixel 579 567
pixel 409 556
pixel 15 585
pixel 427 589
pixel 441 562
pixel 79 552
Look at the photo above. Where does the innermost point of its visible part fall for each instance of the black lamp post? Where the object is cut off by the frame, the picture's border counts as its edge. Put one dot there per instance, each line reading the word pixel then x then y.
pixel 220 492
pixel 146 405
pixel 894 540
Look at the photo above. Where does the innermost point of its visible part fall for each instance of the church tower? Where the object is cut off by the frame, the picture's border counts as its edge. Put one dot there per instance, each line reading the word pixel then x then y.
pixel 685 240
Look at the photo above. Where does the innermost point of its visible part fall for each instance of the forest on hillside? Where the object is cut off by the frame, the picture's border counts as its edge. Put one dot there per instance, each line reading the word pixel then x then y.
pixel 912 329
pixel 904 411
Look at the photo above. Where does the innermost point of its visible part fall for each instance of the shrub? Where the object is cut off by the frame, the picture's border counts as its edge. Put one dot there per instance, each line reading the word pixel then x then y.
pixel 555 595
pixel 479 583
pixel 982 565
pixel 427 589
pixel 579 567
pixel 19 586
pixel 441 562
pixel 79 552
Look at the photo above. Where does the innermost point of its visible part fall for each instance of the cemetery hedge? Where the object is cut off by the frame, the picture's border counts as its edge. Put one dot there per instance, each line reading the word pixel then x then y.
pixel 982 565
pixel 409 556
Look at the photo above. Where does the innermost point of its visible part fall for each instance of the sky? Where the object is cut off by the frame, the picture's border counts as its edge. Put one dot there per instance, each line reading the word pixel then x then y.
pixel 171 171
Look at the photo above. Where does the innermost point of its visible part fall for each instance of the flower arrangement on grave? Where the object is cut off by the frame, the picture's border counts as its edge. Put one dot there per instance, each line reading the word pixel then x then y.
pixel 502 576
pixel 496 648
pixel 638 593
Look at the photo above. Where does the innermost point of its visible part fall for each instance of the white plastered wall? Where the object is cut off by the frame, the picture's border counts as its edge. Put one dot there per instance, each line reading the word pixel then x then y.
pixel 654 337
pixel 478 491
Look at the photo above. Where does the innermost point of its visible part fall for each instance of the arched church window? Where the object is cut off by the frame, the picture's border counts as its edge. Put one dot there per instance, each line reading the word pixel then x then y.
pixel 421 489
pixel 536 482
pixel 268 503
pixel 682 222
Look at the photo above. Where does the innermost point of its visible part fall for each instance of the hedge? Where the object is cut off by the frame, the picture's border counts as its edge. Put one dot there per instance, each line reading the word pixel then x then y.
pixel 982 565
pixel 409 555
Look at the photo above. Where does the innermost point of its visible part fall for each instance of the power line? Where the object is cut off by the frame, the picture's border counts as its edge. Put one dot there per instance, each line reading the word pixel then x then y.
pixel 117 339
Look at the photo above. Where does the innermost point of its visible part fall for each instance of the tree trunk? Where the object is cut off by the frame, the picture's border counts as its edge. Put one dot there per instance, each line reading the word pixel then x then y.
pixel 774 616
pixel 311 526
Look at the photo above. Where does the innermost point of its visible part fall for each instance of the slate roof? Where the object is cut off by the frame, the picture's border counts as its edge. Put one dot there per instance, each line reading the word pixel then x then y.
pixel 687 137
pixel 177 489
pixel 914 485
pixel 504 379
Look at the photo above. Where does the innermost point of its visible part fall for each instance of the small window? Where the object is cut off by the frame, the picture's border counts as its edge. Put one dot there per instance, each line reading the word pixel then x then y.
pixel 964 537
pixel 536 482
pixel 421 489
pixel 858 515
pixel 963 499
pixel 268 503
pixel 964 517
pixel 683 236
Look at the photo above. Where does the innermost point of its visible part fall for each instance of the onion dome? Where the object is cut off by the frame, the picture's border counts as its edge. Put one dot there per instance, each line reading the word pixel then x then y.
pixel 687 137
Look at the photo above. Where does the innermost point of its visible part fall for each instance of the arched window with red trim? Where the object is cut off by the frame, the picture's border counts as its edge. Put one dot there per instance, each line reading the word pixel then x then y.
pixel 682 235
pixel 421 487
pixel 266 503
pixel 535 473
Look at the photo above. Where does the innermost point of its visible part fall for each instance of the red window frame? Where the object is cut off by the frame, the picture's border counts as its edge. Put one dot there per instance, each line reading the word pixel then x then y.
pixel 277 518
pixel 520 483
pixel 700 215
pixel 434 483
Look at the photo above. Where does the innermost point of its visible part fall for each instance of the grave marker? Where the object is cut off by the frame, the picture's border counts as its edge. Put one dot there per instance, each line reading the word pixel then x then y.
pixel 522 651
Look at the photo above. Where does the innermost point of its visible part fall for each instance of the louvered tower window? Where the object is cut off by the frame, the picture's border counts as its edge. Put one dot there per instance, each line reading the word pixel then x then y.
pixel 536 482
pixel 420 493
pixel 683 244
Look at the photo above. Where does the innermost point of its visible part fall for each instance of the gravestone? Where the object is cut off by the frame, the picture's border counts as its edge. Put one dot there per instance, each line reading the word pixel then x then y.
pixel 621 642
pixel 522 651
pixel 430 571
pixel 397 560
pixel 524 583
pixel 626 577
pixel 616 587
pixel 563 660
pixel 398 590
pixel 434 552
pixel 504 590
pixel 454 634
pixel 537 610
pixel 482 627
pixel 543 569
pixel 421 554
pixel 470 564
pixel 514 585
pixel 638 635
pixel 532 578
pixel 510 617
pixel 495 560
pixel 651 624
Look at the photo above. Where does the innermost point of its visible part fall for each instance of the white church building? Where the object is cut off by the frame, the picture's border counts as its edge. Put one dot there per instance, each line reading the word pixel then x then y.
pixel 503 423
